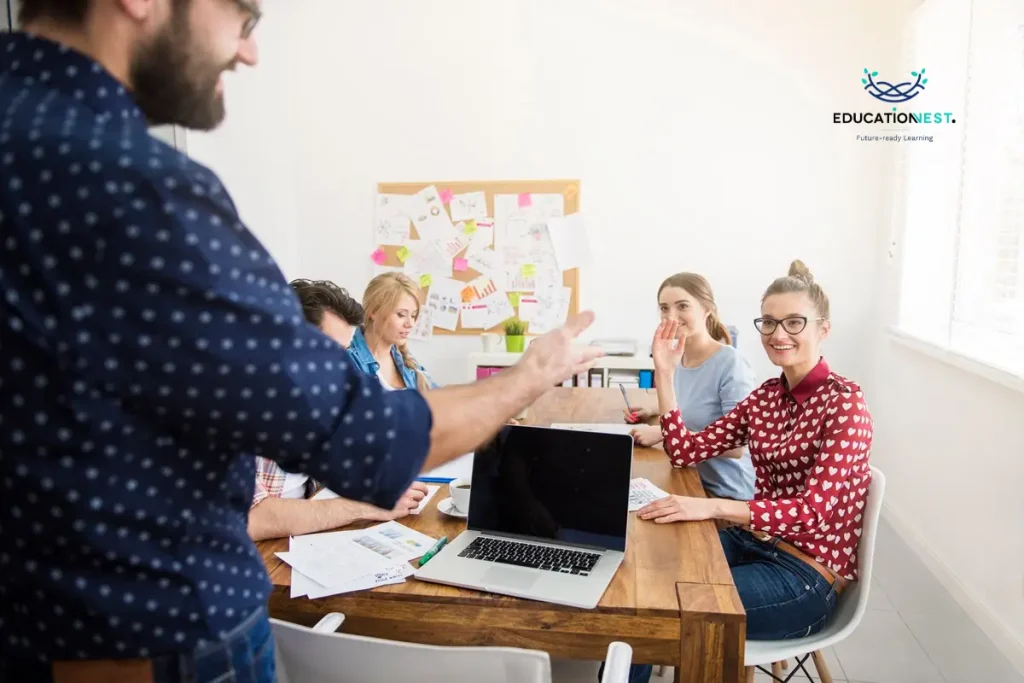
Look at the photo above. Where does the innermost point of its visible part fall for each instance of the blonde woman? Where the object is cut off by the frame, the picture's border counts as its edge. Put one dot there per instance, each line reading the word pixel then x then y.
pixel 392 306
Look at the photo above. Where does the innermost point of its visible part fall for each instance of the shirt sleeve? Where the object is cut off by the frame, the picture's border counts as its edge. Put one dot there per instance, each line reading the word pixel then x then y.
pixel 169 304
pixel 689 448
pixel 845 444
pixel 259 493
pixel 737 383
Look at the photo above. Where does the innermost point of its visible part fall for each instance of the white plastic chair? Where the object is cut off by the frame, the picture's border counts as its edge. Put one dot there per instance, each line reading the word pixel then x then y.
pixel 844 620
pixel 319 655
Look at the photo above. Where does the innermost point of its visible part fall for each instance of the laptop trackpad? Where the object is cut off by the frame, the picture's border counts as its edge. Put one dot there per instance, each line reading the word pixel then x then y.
pixel 510 577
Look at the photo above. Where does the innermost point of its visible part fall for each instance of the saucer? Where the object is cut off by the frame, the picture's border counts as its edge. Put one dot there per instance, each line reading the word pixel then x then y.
pixel 448 507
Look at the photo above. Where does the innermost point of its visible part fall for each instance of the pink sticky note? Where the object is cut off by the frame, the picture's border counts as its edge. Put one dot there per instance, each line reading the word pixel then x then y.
pixel 379 257
pixel 525 200
pixel 446 196
pixel 460 264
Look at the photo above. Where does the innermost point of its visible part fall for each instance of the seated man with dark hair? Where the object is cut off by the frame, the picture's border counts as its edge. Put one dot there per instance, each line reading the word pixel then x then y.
pixel 280 506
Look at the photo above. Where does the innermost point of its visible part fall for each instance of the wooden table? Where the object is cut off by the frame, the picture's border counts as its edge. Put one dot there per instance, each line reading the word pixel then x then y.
pixel 673 599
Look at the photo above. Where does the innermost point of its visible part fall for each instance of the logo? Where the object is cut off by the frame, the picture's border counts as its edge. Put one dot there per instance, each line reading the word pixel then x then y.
pixel 900 92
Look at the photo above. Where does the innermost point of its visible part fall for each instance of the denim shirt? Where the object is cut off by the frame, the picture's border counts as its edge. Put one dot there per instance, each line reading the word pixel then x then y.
pixel 360 353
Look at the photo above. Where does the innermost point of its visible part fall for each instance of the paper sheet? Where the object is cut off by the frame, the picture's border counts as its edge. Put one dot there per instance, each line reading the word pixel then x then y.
pixel 429 215
pixel 332 559
pixel 444 300
pixel 552 309
pixel 468 205
pixel 427 258
pixel 392 219
pixel 456 242
pixel 482 239
pixel 642 493
pixel 424 328
pixel 393 541
pixel 461 466
pixel 513 223
pixel 600 427
pixel 569 242
pixel 487 311
pixel 488 262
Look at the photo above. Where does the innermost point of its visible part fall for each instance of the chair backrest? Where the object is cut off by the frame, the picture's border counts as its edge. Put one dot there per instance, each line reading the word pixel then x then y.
pixel 734 332
pixel 305 655
pixel 854 602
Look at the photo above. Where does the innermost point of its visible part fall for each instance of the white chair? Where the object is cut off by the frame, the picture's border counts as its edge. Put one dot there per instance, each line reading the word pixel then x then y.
pixel 319 655
pixel 844 620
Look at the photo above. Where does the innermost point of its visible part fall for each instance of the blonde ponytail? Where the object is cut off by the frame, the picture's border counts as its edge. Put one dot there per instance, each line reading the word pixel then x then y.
pixel 421 379
pixel 717 329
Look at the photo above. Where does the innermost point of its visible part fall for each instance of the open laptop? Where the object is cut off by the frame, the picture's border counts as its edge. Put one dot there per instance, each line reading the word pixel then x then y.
pixel 547 517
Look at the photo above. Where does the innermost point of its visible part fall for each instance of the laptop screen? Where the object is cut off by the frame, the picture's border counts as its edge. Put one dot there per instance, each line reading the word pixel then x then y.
pixel 553 484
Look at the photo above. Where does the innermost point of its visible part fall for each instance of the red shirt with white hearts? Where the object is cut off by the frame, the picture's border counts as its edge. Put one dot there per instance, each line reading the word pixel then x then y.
pixel 809 447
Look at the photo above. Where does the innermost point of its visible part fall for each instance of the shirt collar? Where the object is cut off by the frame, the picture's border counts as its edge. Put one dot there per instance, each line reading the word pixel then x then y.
pixel 39 61
pixel 809 384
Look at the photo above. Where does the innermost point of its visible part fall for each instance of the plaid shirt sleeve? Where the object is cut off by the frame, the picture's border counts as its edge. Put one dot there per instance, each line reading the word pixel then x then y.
pixel 269 480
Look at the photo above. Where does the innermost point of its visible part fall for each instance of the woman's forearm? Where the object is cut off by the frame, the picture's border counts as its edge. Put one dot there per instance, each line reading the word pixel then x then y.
pixel 666 392
pixel 737 511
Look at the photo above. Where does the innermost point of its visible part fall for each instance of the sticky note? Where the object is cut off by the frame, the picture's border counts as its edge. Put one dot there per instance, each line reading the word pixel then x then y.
pixel 525 200
pixel 460 264
pixel 446 196
pixel 379 257
pixel 513 298
pixel 528 270
pixel 467 294
pixel 425 280
pixel 469 227
pixel 403 254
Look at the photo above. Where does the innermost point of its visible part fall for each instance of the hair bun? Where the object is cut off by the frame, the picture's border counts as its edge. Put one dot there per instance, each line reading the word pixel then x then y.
pixel 800 271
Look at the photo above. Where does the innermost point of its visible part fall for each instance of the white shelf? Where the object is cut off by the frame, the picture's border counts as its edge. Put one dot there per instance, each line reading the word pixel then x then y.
pixel 504 360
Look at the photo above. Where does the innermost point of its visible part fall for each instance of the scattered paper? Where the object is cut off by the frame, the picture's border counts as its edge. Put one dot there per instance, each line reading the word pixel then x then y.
pixel 393 541
pixel 331 559
pixel 481 239
pixel 569 242
pixel 599 427
pixel 552 309
pixel 392 219
pixel 444 301
pixel 483 286
pixel 460 467
pixel 456 242
pixel 487 311
pixel 427 257
pixel 507 210
pixel 487 261
pixel 468 205
pixel 642 493
pixel 528 308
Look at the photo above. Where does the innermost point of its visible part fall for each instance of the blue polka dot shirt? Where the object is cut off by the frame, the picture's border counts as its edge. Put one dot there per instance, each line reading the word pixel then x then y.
pixel 149 347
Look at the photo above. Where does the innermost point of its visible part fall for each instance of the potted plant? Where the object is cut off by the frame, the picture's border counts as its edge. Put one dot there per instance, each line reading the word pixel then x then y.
pixel 515 335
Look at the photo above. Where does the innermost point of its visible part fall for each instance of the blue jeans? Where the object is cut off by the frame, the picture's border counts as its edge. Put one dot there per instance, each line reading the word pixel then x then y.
pixel 245 655
pixel 783 597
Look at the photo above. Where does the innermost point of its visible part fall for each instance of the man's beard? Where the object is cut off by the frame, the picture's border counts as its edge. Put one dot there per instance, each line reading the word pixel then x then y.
pixel 173 83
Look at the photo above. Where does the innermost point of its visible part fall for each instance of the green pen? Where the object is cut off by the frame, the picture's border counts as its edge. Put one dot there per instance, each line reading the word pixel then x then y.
pixel 434 550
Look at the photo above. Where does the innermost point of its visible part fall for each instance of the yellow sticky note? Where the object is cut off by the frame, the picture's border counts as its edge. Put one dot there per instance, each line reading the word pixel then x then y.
pixel 425 280
pixel 528 270
pixel 513 298
pixel 469 227
pixel 402 254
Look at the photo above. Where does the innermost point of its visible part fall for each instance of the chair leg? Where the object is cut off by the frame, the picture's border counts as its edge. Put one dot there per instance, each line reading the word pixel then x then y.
pixel 777 670
pixel 660 671
pixel 750 674
pixel 785 664
pixel 822 667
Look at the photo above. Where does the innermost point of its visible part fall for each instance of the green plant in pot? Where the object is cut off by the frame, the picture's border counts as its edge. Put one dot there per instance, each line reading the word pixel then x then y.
pixel 515 335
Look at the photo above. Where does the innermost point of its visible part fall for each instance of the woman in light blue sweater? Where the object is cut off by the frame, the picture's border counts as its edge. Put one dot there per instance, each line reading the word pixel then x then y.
pixel 710 381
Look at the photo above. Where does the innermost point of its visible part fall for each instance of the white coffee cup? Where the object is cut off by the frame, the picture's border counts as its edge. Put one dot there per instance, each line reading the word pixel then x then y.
pixel 491 341
pixel 460 490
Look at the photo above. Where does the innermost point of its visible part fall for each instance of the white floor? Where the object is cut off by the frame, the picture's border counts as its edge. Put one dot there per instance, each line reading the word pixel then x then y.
pixel 914 632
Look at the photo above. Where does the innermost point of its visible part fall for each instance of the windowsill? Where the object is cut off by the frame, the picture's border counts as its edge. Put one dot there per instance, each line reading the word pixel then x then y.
pixel 958 360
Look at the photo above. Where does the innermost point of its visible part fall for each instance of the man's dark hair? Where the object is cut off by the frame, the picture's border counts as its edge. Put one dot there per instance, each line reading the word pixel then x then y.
pixel 318 296
pixel 71 12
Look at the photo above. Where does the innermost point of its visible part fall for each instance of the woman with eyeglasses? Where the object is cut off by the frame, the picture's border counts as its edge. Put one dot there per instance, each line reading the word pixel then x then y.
pixel 809 436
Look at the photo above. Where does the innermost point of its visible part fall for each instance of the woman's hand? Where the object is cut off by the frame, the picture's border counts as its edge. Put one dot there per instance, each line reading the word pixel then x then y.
pixel 636 415
pixel 678 509
pixel 646 435
pixel 667 346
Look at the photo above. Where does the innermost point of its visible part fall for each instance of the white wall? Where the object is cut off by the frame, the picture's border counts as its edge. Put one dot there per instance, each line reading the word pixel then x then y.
pixel 702 134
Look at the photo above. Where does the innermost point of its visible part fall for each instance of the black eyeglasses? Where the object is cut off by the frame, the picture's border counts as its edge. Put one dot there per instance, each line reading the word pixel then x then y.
pixel 794 324
pixel 254 15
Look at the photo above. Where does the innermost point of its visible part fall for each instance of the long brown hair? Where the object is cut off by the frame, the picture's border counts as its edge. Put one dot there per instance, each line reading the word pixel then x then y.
pixel 698 287
pixel 381 299
pixel 799 279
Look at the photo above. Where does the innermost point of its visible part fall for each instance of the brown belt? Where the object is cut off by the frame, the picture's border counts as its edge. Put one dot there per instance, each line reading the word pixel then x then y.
pixel 830 576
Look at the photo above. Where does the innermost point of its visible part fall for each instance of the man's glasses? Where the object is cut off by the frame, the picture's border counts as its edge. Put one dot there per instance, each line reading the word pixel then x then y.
pixel 254 14
pixel 794 324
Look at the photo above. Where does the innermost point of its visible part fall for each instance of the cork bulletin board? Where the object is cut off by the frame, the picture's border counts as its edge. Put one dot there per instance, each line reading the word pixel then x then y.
pixel 452 197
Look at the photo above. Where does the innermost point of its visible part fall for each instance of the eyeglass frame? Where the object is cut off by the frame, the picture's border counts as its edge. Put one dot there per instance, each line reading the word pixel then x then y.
pixel 255 14
pixel 761 321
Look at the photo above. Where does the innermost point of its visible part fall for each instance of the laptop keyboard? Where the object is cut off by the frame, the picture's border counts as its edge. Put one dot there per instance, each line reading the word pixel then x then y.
pixel 533 556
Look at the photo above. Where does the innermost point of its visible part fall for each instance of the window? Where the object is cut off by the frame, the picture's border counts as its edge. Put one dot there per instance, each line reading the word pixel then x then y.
pixel 963 195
